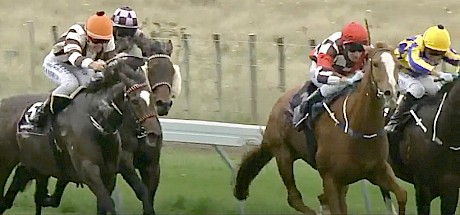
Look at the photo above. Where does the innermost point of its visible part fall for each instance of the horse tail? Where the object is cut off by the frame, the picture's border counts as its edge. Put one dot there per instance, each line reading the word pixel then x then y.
pixel 250 167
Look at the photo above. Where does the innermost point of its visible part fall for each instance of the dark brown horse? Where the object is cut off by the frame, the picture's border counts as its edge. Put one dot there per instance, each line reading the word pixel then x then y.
pixel 137 152
pixel 343 158
pixel 83 144
pixel 429 160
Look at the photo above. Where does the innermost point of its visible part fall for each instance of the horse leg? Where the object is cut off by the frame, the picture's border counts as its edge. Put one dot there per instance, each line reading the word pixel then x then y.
pixel 387 199
pixel 41 192
pixel 128 171
pixel 343 200
pixel 4 174
pixel 55 200
pixel 422 198
pixel 449 198
pixel 20 179
pixel 92 176
pixel 131 177
pixel 386 179
pixel 285 162
pixel 151 177
pixel 331 192
pixel 324 205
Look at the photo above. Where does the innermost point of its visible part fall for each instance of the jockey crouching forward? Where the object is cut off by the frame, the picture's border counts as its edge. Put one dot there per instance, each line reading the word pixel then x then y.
pixel 336 63
pixel 419 56
pixel 73 61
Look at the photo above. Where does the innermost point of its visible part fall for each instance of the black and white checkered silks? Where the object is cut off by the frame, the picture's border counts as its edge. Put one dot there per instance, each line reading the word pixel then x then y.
pixel 125 17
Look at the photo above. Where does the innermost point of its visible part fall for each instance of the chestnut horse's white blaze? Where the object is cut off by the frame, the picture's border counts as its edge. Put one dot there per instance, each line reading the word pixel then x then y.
pixel 389 62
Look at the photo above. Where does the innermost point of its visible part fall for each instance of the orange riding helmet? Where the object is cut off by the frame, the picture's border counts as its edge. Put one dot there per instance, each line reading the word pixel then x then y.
pixel 99 26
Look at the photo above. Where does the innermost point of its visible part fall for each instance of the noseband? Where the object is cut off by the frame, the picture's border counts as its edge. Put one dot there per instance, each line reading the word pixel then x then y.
pixel 134 88
pixel 152 87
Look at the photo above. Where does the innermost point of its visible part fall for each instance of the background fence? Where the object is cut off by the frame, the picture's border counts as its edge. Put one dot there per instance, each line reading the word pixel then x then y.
pixel 233 80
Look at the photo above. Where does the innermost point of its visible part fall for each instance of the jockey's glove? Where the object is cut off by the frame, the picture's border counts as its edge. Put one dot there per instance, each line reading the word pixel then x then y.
pixel 97 65
pixel 446 77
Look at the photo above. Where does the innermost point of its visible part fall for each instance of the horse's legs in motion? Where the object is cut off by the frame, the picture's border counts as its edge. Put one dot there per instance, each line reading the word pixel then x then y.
pixel 386 179
pixel 128 172
pixel 285 162
pixel 21 177
pixel 92 177
pixel 151 177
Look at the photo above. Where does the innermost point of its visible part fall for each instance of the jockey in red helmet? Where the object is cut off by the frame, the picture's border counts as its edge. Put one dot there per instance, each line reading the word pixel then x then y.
pixel 336 63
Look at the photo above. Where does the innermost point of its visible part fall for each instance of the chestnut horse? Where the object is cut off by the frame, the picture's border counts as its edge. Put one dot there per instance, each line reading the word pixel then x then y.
pixel 358 150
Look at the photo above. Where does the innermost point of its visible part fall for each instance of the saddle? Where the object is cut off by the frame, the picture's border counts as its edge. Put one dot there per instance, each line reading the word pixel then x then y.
pixel 316 108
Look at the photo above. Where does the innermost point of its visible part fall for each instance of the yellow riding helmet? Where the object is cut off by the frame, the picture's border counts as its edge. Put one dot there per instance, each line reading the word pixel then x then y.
pixel 437 38
pixel 99 26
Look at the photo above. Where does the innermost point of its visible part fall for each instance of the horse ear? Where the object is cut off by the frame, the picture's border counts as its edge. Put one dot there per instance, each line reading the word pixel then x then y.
pixel 382 45
pixel 169 47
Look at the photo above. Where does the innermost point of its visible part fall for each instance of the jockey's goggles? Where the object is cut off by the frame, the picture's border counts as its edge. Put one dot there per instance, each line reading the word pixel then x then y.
pixel 355 47
pixel 431 52
pixel 98 41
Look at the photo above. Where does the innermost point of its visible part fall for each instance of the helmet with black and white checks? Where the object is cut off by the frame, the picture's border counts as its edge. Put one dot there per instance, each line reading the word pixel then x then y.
pixel 125 17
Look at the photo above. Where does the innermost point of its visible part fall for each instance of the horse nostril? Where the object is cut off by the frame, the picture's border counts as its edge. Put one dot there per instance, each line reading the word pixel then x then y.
pixel 387 93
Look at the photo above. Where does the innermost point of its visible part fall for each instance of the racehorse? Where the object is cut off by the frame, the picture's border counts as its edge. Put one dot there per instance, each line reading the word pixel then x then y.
pixel 164 81
pixel 357 150
pixel 83 143
pixel 425 152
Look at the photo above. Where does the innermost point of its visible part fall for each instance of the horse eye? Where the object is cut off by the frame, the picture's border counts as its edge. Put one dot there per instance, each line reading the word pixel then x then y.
pixel 375 64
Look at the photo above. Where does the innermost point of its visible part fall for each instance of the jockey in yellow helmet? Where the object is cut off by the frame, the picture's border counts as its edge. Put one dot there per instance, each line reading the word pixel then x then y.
pixel 75 57
pixel 419 55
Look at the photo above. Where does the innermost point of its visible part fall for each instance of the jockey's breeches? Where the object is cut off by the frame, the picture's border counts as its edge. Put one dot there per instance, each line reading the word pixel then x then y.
pixel 68 77
pixel 418 86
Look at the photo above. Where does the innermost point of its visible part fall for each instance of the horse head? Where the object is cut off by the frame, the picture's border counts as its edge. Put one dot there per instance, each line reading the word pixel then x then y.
pixel 382 67
pixel 127 91
pixel 160 72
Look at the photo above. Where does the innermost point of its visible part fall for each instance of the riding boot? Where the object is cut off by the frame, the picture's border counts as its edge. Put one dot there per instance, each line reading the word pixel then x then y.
pixel 402 108
pixel 58 104
pixel 306 106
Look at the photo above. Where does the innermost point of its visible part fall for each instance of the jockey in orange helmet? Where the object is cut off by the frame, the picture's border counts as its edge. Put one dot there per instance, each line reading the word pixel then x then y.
pixel 336 63
pixel 74 59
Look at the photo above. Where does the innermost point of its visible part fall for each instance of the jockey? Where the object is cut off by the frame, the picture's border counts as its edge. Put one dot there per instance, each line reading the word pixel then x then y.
pixel 73 61
pixel 419 56
pixel 336 63
pixel 125 24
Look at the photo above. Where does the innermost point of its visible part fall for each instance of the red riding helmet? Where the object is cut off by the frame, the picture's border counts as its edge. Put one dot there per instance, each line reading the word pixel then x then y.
pixel 354 32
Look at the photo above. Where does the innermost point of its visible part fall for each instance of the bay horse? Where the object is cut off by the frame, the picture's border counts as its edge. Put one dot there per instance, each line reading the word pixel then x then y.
pixel 83 144
pixel 426 153
pixel 359 152
pixel 164 81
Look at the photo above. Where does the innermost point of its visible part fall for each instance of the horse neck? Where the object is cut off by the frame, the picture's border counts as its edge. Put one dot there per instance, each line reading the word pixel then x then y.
pixel 364 110
pixel 447 126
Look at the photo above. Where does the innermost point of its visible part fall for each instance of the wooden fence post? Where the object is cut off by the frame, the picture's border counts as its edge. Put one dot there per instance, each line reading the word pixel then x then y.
pixel 216 39
pixel 281 64
pixel 253 77
pixel 186 65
